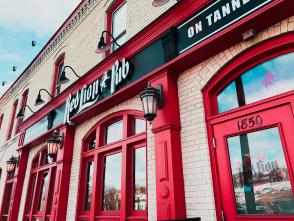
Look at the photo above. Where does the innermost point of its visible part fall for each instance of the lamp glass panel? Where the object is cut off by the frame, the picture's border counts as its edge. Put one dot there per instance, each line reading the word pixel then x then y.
pixel 10 167
pixel 150 104
pixel 144 102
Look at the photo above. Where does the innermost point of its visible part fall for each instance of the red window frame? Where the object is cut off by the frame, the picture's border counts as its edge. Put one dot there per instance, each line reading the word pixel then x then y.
pixel 126 147
pixel 24 102
pixel 270 49
pixel 12 119
pixel 115 6
pixel 56 76
pixel 39 167
pixel 7 196
pixel 1 120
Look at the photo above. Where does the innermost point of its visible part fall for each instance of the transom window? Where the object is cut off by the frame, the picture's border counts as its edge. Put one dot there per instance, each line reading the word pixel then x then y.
pixel 270 78
pixel 39 198
pixel 113 170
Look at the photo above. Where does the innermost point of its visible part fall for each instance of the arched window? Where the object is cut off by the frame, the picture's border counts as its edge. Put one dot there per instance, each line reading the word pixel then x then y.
pixel 24 102
pixel 12 119
pixel 250 121
pixel 113 169
pixel 270 78
pixel 58 70
pixel 1 120
pixel 116 24
pixel 40 189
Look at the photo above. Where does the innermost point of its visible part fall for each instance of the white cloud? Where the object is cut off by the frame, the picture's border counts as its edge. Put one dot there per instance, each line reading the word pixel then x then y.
pixel 43 17
pixel 12 57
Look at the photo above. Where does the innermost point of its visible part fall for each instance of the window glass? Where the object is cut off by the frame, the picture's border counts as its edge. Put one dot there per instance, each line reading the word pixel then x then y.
pixel 270 78
pixel 112 182
pixel 121 40
pixel 42 195
pixel 114 132
pixel 91 145
pixel 139 201
pixel 32 193
pixel 227 99
pixel 273 77
pixel 260 175
pixel 139 126
pixel 57 90
pixel 9 192
pixel 88 188
pixel 119 20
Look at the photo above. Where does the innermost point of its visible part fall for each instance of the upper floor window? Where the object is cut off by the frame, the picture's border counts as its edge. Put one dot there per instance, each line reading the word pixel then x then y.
pixel 12 119
pixel 114 168
pixel 1 120
pixel 270 78
pixel 24 102
pixel 58 70
pixel 117 17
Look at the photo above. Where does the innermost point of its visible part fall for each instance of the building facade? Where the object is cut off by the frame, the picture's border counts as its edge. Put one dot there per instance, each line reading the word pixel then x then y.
pixel 220 148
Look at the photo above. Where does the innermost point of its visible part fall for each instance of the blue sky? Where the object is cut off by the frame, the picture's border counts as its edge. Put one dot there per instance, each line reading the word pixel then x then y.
pixel 22 21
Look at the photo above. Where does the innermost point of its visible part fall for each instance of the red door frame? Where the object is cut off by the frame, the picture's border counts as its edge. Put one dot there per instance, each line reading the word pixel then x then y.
pixel 270 49
pixel 174 16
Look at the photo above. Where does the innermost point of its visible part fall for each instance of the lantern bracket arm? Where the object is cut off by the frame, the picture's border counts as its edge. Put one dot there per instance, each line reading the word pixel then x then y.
pixel 160 102
pixel 61 137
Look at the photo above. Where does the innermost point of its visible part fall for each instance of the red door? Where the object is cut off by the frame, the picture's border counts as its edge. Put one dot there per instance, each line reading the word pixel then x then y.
pixel 255 163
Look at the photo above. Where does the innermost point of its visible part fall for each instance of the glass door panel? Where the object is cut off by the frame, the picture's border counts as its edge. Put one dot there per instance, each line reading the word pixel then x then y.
pixel 260 174
pixel 254 155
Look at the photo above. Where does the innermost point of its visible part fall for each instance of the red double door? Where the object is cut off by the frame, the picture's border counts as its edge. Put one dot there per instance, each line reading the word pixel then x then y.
pixel 254 153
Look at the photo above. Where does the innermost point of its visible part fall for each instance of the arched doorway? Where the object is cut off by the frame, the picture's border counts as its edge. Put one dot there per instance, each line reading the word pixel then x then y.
pixel 249 112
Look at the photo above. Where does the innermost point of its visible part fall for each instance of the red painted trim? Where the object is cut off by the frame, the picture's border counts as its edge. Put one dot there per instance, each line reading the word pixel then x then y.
pixel 178 13
pixel 256 55
pixel 55 79
pixel 1 120
pixel 12 119
pixel 124 146
pixel 115 6
pixel 24 102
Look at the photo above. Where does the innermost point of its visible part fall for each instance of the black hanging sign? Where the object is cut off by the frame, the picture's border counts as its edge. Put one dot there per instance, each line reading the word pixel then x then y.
pixel 218 16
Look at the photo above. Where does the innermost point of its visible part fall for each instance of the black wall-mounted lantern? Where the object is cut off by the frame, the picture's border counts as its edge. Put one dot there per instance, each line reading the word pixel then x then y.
pixel 11 164
pixel 20 115
pixel 34 43
pixel 152 99
pixel 14 68
pixel 63 79
pixel 54 142
pixel 4 83
pixel 102 46
pixel 39 99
